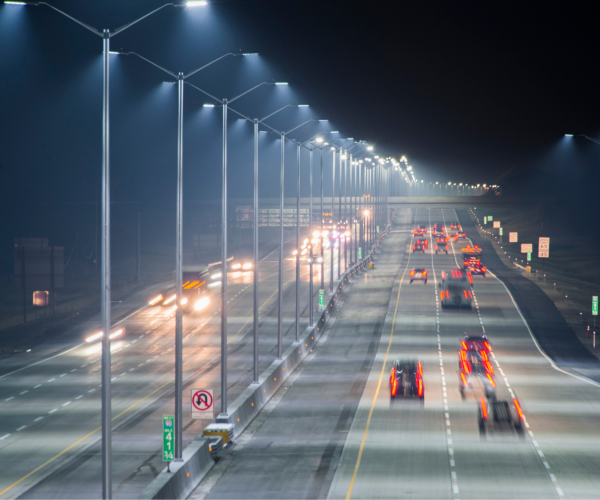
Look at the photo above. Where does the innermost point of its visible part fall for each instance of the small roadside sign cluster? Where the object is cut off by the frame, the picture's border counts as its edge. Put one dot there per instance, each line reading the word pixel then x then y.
pixel 595 305
pixel 168 432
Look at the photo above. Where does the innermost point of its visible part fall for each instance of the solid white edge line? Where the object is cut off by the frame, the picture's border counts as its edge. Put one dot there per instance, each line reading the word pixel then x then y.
pixel 552 364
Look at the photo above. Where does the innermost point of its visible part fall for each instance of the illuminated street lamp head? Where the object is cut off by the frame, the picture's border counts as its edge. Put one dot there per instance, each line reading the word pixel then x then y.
pixel 283 83
pixel 319 140
pixel 9 2
pixel 449 184
pixel 323 120
pixel 369 148
pixel 302 105
pixel 566 135
pixel 366 212
pixel 334 132
pixel 196 3
pixel 250 54
pixel 208 105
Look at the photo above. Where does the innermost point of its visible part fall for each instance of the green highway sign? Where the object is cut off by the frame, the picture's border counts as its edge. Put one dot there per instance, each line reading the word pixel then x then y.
pixel 501 232
pixel 490 218
pixel 595 305
pixel 377 229
pixel 528 256
pixel 168 436
pixel 485 220
pixel 321 298
pixel 359 253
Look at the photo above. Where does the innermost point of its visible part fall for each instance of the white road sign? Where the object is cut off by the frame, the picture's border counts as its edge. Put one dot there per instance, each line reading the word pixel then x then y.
pixel 202 404
pixel 497 223
pixel 526 247
pixel 544 248
pixel 513 237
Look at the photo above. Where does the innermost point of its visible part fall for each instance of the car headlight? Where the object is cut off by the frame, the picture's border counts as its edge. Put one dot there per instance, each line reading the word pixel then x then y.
pixel 247 265
pixel 201 304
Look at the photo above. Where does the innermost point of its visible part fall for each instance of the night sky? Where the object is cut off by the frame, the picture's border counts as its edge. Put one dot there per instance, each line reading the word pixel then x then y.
pixel 468 91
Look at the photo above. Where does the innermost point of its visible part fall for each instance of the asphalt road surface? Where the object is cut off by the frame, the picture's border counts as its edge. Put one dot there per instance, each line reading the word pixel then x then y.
pixel 333 431
pixel 50 404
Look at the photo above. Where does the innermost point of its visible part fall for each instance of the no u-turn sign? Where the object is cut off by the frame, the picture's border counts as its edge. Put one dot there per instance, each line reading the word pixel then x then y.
pixel 202 404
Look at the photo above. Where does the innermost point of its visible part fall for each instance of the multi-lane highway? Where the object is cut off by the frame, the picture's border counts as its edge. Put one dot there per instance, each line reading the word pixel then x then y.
pixel 333 431
pixel 50 408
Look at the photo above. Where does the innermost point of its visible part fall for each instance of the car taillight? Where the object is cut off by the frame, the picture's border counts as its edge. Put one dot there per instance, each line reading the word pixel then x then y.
pixel 442 295
pixel 447 294
pixel 463 355
pixel 466 367
pixel 464 379
pixel 491 379
pixel 484 412
pixel 465 292
pixel 412 273
pixel 464 344
pixel 518 407
pixel 470 294
pixel 393 375
pixel 420 368
pixel 488 367
pixel 414 247
pixel 487 345
pixel 394 387
pixel 420 386
pixel 424 273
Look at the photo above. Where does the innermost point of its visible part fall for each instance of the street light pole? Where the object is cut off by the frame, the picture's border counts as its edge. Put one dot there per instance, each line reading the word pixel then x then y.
pixel 332 243
pixel 255 291
pixel 310 236
pixel 298 244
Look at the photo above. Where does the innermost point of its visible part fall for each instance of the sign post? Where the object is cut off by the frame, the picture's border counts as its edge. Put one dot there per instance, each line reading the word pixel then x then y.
pixel 526 247
pixel 168 436
pixel 202 404
pixel 544 248
pixel 322 295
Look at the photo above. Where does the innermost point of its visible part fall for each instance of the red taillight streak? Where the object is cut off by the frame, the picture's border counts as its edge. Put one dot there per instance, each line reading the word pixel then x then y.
pixel 488 367
pixel 518 407
pixel 491 379
pixel 465 292
pixel 447 294
pixel 420 386
pixel 464 344
pixel 420 368
pixel 487 345
pixel 442 295
pixel 470 294
pixel 393 375
pixel 484 413
pixel 424 273
pixel 483 355
pixel 464 379
pixel 412 273
pixel 394 387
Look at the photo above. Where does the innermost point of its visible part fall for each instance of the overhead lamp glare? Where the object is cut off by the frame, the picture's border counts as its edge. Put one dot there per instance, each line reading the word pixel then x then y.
pixel 208 105
pixel 196 3
pixel 281 83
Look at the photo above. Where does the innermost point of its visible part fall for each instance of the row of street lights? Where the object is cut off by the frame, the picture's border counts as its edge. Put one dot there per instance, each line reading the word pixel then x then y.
pixel 369 211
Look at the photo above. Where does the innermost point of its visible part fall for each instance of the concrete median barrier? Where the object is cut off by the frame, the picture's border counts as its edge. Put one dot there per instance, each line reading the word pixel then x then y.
pixel 186 475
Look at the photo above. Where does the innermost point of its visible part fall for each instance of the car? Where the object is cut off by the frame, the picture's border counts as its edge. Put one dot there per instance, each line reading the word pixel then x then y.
pixel 420 246
pixel 474 266
pixel 420 231
pixel 460 235
pixel 441 245
pixel 406 379
pixel 476 374
pixel 475 342
pixel 418 274
pixel 455 225
pixel 456 290
pixel 495 415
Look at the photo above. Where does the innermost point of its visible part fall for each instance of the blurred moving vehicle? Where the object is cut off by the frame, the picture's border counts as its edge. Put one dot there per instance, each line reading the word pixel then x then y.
pixel 420 246
pixel 420 231
pixel 476 374
pixel 456 290
pixel 327 220
pixel 500 415
pixel 459 235
pixel 438 230
pixel 455 225
pixel 441 244
pixel 406 379
pixel 472 260
pixel 475 342
pixel 418 274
